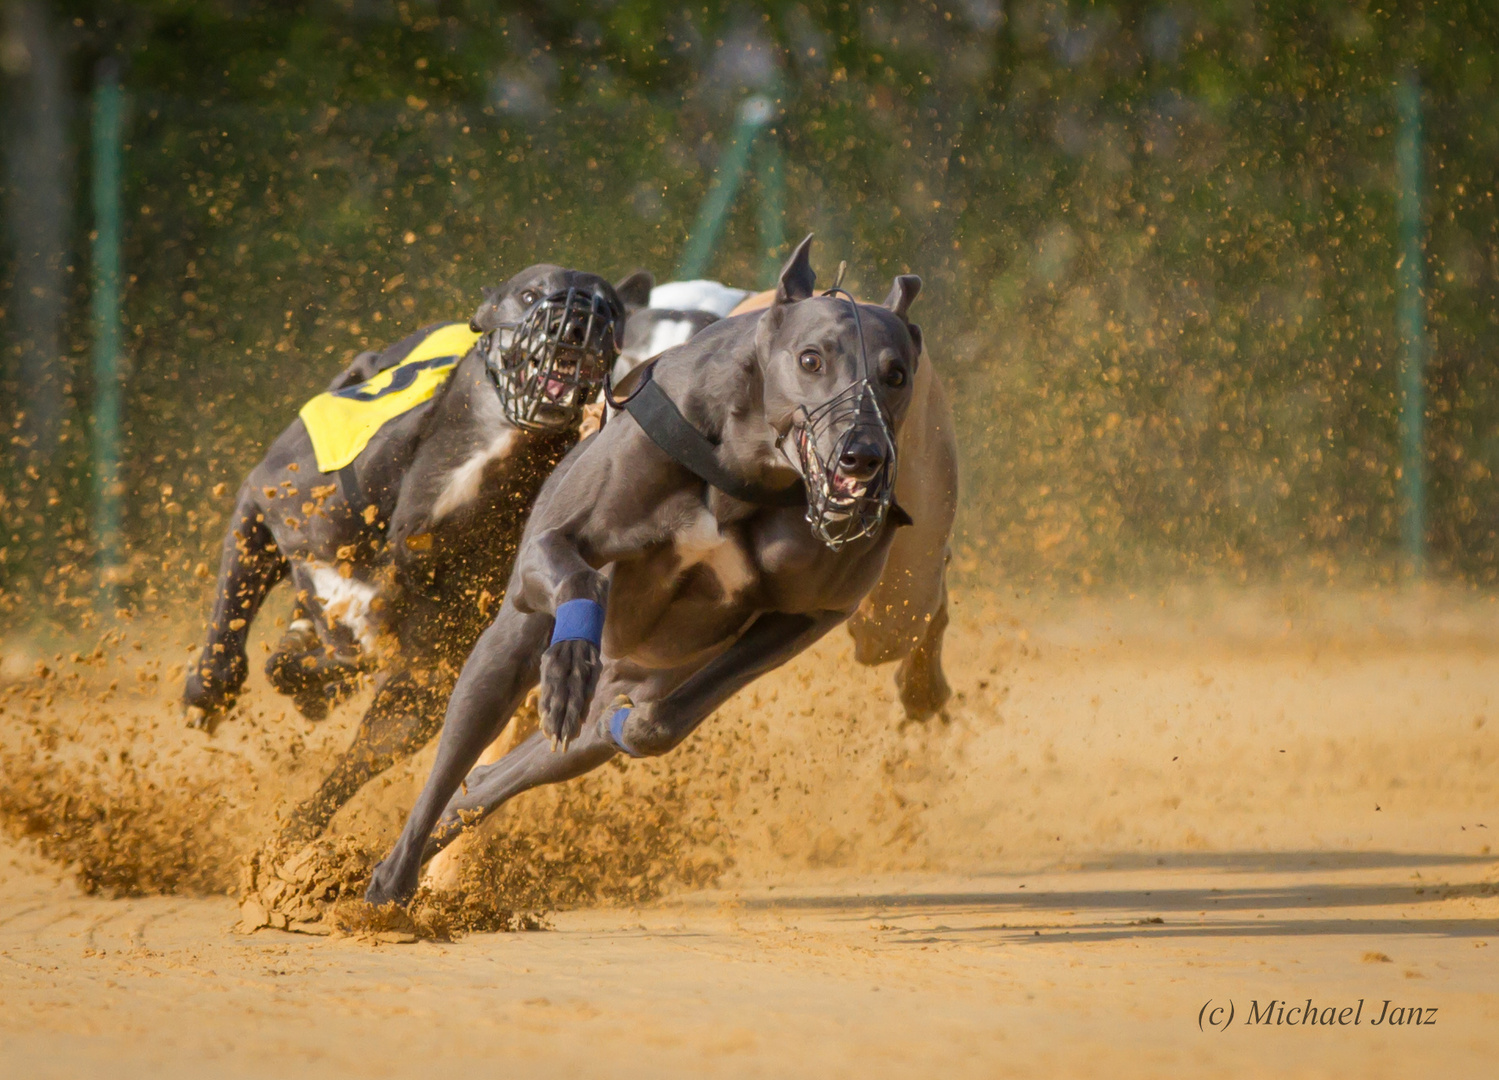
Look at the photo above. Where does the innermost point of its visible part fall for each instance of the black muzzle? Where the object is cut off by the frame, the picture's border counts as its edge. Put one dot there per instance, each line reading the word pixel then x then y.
pixel 847 458
pixel 553 361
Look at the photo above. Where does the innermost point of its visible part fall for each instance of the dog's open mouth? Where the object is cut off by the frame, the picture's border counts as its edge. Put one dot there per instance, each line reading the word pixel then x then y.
pixel 843 505
pixel 846 487
pixel 554 359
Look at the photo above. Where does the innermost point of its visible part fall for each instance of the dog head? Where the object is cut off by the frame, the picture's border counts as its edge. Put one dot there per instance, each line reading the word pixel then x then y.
pixel 837 378
pixel 551 334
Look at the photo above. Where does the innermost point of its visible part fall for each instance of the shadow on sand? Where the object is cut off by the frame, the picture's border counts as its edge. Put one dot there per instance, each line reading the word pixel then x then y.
pixel 1189 911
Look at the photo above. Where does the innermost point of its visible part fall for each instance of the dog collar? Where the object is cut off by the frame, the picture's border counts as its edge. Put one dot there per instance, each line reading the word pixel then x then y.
pixel 661 420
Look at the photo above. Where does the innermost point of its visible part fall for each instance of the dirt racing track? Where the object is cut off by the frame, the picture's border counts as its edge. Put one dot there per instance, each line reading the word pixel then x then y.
pixel 1142 813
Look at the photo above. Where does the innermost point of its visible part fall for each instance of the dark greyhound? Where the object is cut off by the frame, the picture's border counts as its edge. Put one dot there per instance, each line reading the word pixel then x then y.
pixel 904 618
pixel 738 511
pixel 400 555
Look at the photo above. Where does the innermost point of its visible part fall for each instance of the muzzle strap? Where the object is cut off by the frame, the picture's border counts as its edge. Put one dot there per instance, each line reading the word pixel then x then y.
pixel 659 417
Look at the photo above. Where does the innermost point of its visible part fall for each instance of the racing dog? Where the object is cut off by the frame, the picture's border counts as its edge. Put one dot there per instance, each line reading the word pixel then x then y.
pixel 737 511
pixel 395 502
pixel 905 617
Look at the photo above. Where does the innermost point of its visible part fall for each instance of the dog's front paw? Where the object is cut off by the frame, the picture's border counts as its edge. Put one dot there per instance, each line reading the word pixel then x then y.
pixel 212 686
pixel 392 883
pixel 569 674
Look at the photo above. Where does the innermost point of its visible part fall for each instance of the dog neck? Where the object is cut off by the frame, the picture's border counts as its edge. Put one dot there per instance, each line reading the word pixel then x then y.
pixel 720 393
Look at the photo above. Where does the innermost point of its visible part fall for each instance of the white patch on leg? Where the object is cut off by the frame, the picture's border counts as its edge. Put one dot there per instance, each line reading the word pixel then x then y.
pixel 701 543
pixel 346 601
pixel 463 483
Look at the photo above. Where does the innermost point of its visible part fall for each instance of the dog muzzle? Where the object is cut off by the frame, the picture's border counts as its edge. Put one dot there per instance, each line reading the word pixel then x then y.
pixel 846 455
pixel 552 362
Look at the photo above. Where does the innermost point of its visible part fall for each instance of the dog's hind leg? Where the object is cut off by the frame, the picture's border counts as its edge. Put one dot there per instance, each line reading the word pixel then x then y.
pixel 403 717
pixel 306 664
pixel 531 764
pixel 504 665
pixel 919 679
pixel 248 568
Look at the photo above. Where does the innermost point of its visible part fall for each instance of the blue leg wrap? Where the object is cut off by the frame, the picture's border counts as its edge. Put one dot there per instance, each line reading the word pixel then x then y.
pixel 617 730
pixel 579 620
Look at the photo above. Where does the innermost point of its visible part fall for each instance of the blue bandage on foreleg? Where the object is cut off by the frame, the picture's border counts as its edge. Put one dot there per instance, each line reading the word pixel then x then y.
pixel 579 620
pixel 617 730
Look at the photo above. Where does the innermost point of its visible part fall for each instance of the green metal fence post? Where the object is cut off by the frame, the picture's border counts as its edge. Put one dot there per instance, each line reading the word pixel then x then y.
pixel 754 115
pixel 1411 316
pixel 108 136
pixel 772 207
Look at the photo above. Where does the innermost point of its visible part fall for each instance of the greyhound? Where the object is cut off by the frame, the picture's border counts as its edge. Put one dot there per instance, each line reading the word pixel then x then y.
pixel 399 555
pixel 739 510
pixel 905 617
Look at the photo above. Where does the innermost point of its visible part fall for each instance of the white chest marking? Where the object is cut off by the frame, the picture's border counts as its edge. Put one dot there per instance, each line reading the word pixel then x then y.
pixel 346 601
pixel 700 543
pixel 462 485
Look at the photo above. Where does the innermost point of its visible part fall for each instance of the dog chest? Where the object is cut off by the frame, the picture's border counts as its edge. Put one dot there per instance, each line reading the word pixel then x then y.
pixel 462 484
pixel 700 542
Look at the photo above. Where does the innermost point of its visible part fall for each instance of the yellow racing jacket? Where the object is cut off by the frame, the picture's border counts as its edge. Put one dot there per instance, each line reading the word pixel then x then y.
pixel 342 422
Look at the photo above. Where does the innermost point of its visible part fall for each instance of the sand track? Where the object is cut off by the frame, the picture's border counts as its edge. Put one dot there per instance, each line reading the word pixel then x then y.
pixel 1297 786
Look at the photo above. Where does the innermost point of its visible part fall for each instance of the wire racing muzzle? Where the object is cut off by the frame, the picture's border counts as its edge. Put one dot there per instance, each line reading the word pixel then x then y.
pixel 847 457
pixel 552 362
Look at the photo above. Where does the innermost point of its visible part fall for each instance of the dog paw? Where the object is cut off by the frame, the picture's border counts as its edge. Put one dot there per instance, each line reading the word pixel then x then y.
pixel 206 718
pixel 389 886
pixel 197 718
pixel 569 675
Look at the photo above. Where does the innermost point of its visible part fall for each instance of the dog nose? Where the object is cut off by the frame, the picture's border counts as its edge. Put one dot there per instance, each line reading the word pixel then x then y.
pixel 861 460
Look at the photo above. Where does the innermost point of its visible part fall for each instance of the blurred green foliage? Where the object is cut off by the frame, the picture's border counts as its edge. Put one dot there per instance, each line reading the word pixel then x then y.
pixel 1159 243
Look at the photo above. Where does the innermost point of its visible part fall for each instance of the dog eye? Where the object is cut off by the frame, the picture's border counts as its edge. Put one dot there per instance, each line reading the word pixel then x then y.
pixel 528 297
pixel 895 377
pixel 810 361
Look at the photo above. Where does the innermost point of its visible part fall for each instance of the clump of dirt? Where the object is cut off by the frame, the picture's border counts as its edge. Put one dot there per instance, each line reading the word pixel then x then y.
pixel 295 890
pixel 319 889
pixel 98 768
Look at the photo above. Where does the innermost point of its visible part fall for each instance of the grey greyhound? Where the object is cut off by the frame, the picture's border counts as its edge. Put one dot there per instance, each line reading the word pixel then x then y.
pixel 904 618
pixel 399 556
pixel 644 594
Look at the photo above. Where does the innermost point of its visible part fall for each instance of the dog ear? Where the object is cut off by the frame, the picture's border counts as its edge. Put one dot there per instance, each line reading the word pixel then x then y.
pixel 915 336
pixel 903 293
pixel 797 277
pixel 635 290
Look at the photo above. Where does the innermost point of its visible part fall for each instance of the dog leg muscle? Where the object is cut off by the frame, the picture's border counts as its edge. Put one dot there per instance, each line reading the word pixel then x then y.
pixel 531 764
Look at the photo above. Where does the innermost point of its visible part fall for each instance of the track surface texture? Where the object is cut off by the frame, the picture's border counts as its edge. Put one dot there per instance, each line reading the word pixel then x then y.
pixel 1137 805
